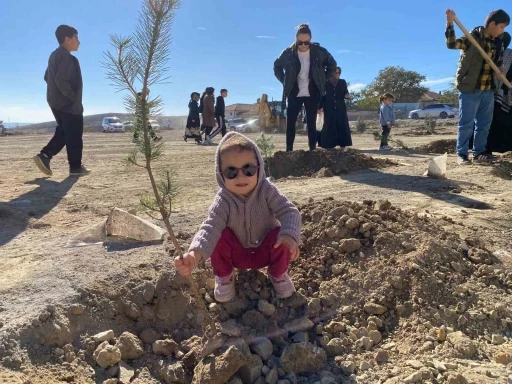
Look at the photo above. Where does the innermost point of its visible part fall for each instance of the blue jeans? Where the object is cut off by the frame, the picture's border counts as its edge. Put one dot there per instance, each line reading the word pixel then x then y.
pixel 476 111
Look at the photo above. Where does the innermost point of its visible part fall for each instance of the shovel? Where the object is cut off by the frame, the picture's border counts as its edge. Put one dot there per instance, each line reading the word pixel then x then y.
pixel 484 54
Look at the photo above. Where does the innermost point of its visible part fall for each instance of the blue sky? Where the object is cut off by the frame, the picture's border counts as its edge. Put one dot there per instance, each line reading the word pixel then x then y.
pixel 225 44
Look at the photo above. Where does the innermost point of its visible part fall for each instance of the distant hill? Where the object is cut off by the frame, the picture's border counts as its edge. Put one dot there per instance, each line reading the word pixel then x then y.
pixel 93 123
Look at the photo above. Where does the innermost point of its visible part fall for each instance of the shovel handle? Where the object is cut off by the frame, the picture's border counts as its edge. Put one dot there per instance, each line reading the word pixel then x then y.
pixel 484 54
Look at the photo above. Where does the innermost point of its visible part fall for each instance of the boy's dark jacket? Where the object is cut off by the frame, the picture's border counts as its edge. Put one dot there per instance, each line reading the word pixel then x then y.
pixel 64 82
pixel 471 62
pixel 220 107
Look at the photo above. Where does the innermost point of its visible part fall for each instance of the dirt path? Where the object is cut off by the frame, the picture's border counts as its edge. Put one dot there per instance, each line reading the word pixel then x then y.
pixel 38 215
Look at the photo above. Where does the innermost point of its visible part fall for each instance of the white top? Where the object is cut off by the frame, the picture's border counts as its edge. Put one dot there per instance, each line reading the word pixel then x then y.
pixel 303 79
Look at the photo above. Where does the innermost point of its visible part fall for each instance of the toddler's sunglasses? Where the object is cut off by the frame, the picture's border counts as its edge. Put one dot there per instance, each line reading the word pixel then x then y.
pixel 248 170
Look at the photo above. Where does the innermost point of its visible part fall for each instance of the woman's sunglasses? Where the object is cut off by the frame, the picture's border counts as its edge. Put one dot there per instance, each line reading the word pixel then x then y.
pixel 306 43
pixel 248 170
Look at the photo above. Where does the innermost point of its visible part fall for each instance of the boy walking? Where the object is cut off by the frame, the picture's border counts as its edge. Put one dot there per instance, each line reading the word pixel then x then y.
pixel 475 83
pixel 64 95
pixel 220 114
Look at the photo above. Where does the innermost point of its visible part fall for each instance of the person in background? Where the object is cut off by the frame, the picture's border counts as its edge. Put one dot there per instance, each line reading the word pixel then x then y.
pixel 193 129
pixel 474 80
pixel 138 129
pixel 208 114
pixel 64 95
pixel 303 70
pixel 250 224
pixel 387 119
pixel 220 114
pixel 336 130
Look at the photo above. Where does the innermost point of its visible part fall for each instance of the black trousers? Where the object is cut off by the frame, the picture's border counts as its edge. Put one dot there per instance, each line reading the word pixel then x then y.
pixel 69 132
pixel 221 127
pixel 294 106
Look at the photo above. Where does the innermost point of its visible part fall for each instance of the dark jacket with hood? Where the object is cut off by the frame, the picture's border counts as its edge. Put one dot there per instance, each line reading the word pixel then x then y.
pixel 251 217
pixel 287 67
pixel 220 107
pixel 64 82
pixel 193 114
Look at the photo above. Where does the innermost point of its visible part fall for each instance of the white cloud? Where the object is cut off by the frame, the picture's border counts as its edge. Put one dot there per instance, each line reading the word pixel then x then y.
pixel 356 87
pixel 266 37
pixel 201 28
pixel 344 51
pixel 444 80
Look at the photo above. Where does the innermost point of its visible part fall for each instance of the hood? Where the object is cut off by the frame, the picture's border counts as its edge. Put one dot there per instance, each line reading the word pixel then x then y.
pixel 261 163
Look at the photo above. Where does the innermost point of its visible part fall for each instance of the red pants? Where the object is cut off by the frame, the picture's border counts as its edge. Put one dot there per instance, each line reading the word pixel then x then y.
pixel 229 254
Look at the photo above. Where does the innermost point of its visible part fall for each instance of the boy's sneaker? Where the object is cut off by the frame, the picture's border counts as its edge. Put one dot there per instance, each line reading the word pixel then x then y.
pixel 43 163
pixel 483 158
pixel 82 171
pixel 283 286
pixel 224 288
pixel 463 160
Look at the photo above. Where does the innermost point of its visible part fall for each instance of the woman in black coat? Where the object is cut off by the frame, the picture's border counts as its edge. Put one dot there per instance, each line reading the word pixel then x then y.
pixel 336 130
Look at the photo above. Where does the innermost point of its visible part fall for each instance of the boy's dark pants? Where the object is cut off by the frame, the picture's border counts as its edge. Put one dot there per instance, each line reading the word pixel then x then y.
pixel 69 132
pixel 385 134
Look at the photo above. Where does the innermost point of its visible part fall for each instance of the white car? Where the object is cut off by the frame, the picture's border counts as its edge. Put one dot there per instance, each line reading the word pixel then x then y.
pixel 112 124
pixel 250 126
pixel 154 124
pixel 434 110
pixel 128 125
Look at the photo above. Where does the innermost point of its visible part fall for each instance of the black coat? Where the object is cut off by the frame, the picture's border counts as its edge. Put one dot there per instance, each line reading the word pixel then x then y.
pixel 193 120
pixel 336 130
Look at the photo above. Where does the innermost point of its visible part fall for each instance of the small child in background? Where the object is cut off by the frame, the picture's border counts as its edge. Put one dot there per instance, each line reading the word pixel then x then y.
pixel 387 119
pixel 193 129
pixel 250 224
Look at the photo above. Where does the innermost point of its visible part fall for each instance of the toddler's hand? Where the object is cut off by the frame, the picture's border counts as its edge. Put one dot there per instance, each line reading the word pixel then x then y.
pixel 450 16
pixel 289 243
pixel 186 265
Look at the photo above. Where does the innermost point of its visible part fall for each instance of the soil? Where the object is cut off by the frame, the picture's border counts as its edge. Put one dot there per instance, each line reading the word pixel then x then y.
pixel 440 146
pixel 415 287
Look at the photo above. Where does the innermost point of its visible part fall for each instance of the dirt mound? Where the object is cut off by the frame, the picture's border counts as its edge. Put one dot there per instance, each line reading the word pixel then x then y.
pixel 321 163
pixel 440 146
pixel 384 295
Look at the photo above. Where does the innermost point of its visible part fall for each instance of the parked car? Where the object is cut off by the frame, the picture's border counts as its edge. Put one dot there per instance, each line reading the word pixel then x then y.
pixel 250 126
pixel 434 110
pixel 154 124
pixel 233 123
pixel 128 125
pixel 112 124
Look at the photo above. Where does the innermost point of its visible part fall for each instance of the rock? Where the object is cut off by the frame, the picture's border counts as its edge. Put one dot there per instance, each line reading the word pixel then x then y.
pixel 130 346
pixel 296 300
pixel 416 377
pixel 300 337
pixel 408 247
pixel 166 347
pixel 462 343
pixel 302 357
pixel 104 336
pixel 456 379
pixel 457 267
pixel 262 347
pixel 110 381
pixel 272 376
pixel 335 347
pixel 350 245
pixel 346 309
pixel 113 371
pixel 337 269
pixel 148 291
pixel 375 337
pixel 77 309
pixel 352 223
pixel 498 339
pixel 462 320
pixel 364 366
pixel 363 342
pixel 235 380
pixel 298 325
pixel 126 373
pixel 107 355
pixel 231 328
pixel 174 373
pixel 149 336
pixel 250 372
pixel 479 256
pixel 193 342
pixel 382 356
pixel 254 319
pixel 416 364
pixel 440 334
pixel 348 367
pixel 335 327
pixel 148 312
pixel 314 306
pixel 374 309
pixel 266 308
pixel 382 205
pixel 219 368
pixel 503 358
pixel 238 306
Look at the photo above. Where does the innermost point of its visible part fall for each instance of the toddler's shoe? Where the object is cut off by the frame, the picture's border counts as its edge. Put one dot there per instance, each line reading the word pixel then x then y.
pixel 283 286
pixel 224 288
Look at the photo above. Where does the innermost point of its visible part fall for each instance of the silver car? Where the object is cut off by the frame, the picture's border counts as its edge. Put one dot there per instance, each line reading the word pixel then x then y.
pixel 435 110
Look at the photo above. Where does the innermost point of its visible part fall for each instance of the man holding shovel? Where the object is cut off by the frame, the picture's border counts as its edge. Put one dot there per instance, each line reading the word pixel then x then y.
pixel 474 80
